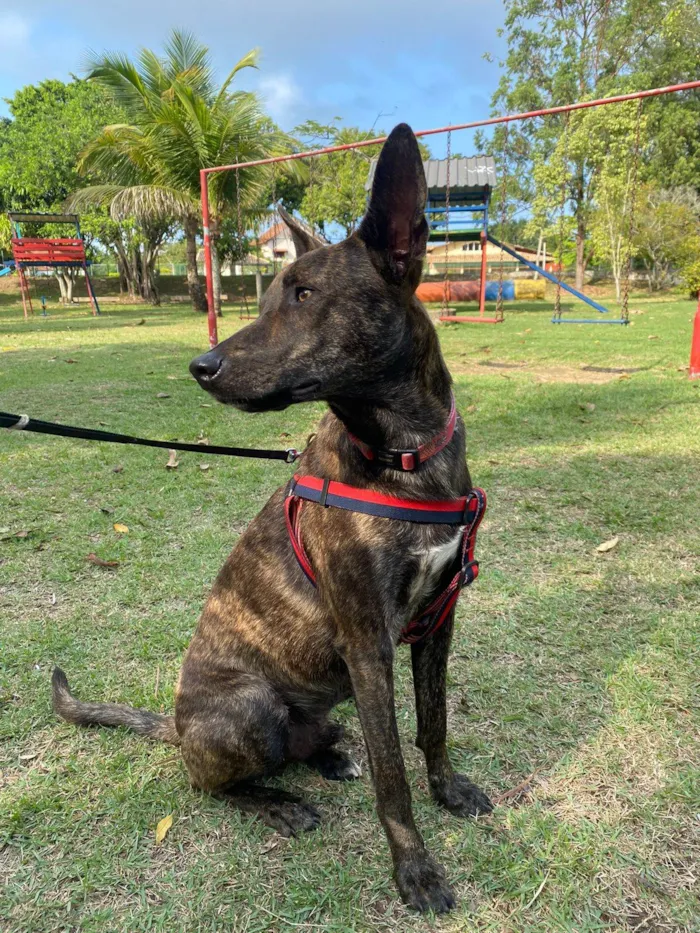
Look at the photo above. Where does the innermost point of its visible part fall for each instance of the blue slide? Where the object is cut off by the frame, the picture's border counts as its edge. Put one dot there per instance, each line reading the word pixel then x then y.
pixel 6 269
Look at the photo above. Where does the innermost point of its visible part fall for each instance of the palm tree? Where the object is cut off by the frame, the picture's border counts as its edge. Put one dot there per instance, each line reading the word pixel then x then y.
pixel 179 121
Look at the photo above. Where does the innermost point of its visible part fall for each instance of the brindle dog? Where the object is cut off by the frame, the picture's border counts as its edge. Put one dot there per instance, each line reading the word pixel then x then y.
pixel 272 655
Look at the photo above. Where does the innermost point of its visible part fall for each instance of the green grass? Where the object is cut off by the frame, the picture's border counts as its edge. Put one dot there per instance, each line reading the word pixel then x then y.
pixel 574 672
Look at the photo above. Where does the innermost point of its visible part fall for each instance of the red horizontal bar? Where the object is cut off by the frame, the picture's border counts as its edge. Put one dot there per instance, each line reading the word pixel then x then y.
pixel 565 108
pixel 48 241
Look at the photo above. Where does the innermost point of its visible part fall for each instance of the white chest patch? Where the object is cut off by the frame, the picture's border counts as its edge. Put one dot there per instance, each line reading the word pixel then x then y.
pixel 432 563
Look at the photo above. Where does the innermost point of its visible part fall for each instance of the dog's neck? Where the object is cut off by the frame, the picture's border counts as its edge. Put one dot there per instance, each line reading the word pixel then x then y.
pixel 412 403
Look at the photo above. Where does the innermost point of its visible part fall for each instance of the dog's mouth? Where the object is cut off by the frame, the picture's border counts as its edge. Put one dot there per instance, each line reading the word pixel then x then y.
pixel 271 401
pixel 306 390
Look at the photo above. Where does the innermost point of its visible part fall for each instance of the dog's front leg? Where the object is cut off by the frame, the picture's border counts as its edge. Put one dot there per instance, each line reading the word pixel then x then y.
pixel 453 791
pixel 420 879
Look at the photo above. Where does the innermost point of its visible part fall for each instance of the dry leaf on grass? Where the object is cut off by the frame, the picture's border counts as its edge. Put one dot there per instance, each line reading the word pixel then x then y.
pixel 163 827
pixel 173 463
pixel 15 534
pixel 587 406
pixel 162 395
pixel 70 361
pixel 607 545
pixel 121 529
pixel 653 337
pixel 203 466
pixel 118 469
pixel 94 559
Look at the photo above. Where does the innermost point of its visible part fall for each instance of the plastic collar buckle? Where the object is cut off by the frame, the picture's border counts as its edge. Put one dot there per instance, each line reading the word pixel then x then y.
pixel 405 460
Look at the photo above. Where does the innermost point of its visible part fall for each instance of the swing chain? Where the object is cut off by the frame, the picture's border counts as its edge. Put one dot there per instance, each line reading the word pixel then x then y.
pixel 631 227
pixel 274 218
pixel 240 245
pixel 504 217
pixel 446 284
pixel 562 211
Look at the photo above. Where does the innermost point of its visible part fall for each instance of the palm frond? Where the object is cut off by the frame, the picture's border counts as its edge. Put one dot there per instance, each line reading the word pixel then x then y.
pixel 151 202
pixel 93 196
pixel 121 78
pixel 250 60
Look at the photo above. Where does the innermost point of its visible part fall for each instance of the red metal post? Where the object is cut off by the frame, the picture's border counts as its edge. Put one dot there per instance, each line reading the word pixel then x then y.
pixel 694 371
pixel 26 295
pixel 482 284
pixel 211 310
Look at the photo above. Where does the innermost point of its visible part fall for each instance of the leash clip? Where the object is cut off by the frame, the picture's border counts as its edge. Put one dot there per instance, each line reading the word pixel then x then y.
pixel 292 455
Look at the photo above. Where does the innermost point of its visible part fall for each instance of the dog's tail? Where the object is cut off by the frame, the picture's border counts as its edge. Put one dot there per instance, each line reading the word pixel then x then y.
pixel 142 721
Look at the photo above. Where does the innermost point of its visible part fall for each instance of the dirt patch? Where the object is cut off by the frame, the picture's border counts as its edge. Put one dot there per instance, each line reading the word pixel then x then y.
pixel 540 372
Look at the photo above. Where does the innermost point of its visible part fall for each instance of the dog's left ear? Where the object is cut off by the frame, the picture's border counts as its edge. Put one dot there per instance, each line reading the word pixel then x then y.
pixel 394 228
pixel 304 242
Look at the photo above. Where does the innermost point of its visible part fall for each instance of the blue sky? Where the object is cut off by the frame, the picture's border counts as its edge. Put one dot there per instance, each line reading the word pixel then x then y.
pixel 369 62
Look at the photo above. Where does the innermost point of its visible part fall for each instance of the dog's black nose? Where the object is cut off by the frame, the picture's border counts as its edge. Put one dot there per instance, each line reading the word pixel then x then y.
pixel 205 367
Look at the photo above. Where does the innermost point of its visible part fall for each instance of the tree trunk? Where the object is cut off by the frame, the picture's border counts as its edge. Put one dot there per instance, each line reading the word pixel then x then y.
pixel 216 278
pixel 195 287
pixel 65 284
pixel 149 289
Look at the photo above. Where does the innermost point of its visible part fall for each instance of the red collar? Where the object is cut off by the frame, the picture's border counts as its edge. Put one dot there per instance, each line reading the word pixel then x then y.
pixel 408 460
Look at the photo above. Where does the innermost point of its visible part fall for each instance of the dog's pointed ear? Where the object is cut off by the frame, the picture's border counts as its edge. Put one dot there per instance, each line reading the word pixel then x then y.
pixel 394 228
pixel 303 241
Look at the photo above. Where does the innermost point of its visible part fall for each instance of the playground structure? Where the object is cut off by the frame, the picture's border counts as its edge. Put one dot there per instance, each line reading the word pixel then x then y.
pixel 316 153
pixel 35 252
pixel 459 195
pixel 7 267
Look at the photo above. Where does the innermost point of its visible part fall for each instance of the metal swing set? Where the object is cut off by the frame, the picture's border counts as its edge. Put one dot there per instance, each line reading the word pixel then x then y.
pixel 447 208
pixel 460 211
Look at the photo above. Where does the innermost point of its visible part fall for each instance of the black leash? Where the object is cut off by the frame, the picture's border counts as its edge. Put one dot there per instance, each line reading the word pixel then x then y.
pixel 25 423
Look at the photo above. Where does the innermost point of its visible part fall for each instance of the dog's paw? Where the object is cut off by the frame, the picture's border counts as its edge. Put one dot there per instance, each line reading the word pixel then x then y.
pixel 422 885
pixel 461 797
pixel 290 818
pixel 334 765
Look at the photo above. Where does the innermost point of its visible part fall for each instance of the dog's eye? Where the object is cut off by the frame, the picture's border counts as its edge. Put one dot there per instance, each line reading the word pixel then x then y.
pixel 303 293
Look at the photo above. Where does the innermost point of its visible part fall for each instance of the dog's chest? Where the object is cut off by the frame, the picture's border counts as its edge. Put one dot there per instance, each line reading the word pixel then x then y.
pixel 432 562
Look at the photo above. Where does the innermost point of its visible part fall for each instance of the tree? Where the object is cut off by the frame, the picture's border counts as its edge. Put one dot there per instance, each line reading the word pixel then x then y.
pixel 39 149
pixel 560 51
pixel 178 121
pixel 336 193
pixel 668 233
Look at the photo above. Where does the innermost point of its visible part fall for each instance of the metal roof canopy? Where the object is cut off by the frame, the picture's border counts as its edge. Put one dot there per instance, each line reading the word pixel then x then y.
pixel 43 218
pixel 471 179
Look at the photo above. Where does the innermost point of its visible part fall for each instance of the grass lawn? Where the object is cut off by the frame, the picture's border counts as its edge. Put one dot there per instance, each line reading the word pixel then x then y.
pixel 574 684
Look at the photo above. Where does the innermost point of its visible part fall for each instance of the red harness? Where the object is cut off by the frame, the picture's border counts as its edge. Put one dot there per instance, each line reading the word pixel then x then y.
pixel 467 511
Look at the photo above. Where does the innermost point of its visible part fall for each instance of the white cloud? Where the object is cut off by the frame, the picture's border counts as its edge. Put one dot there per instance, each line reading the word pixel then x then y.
pixel 282 96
